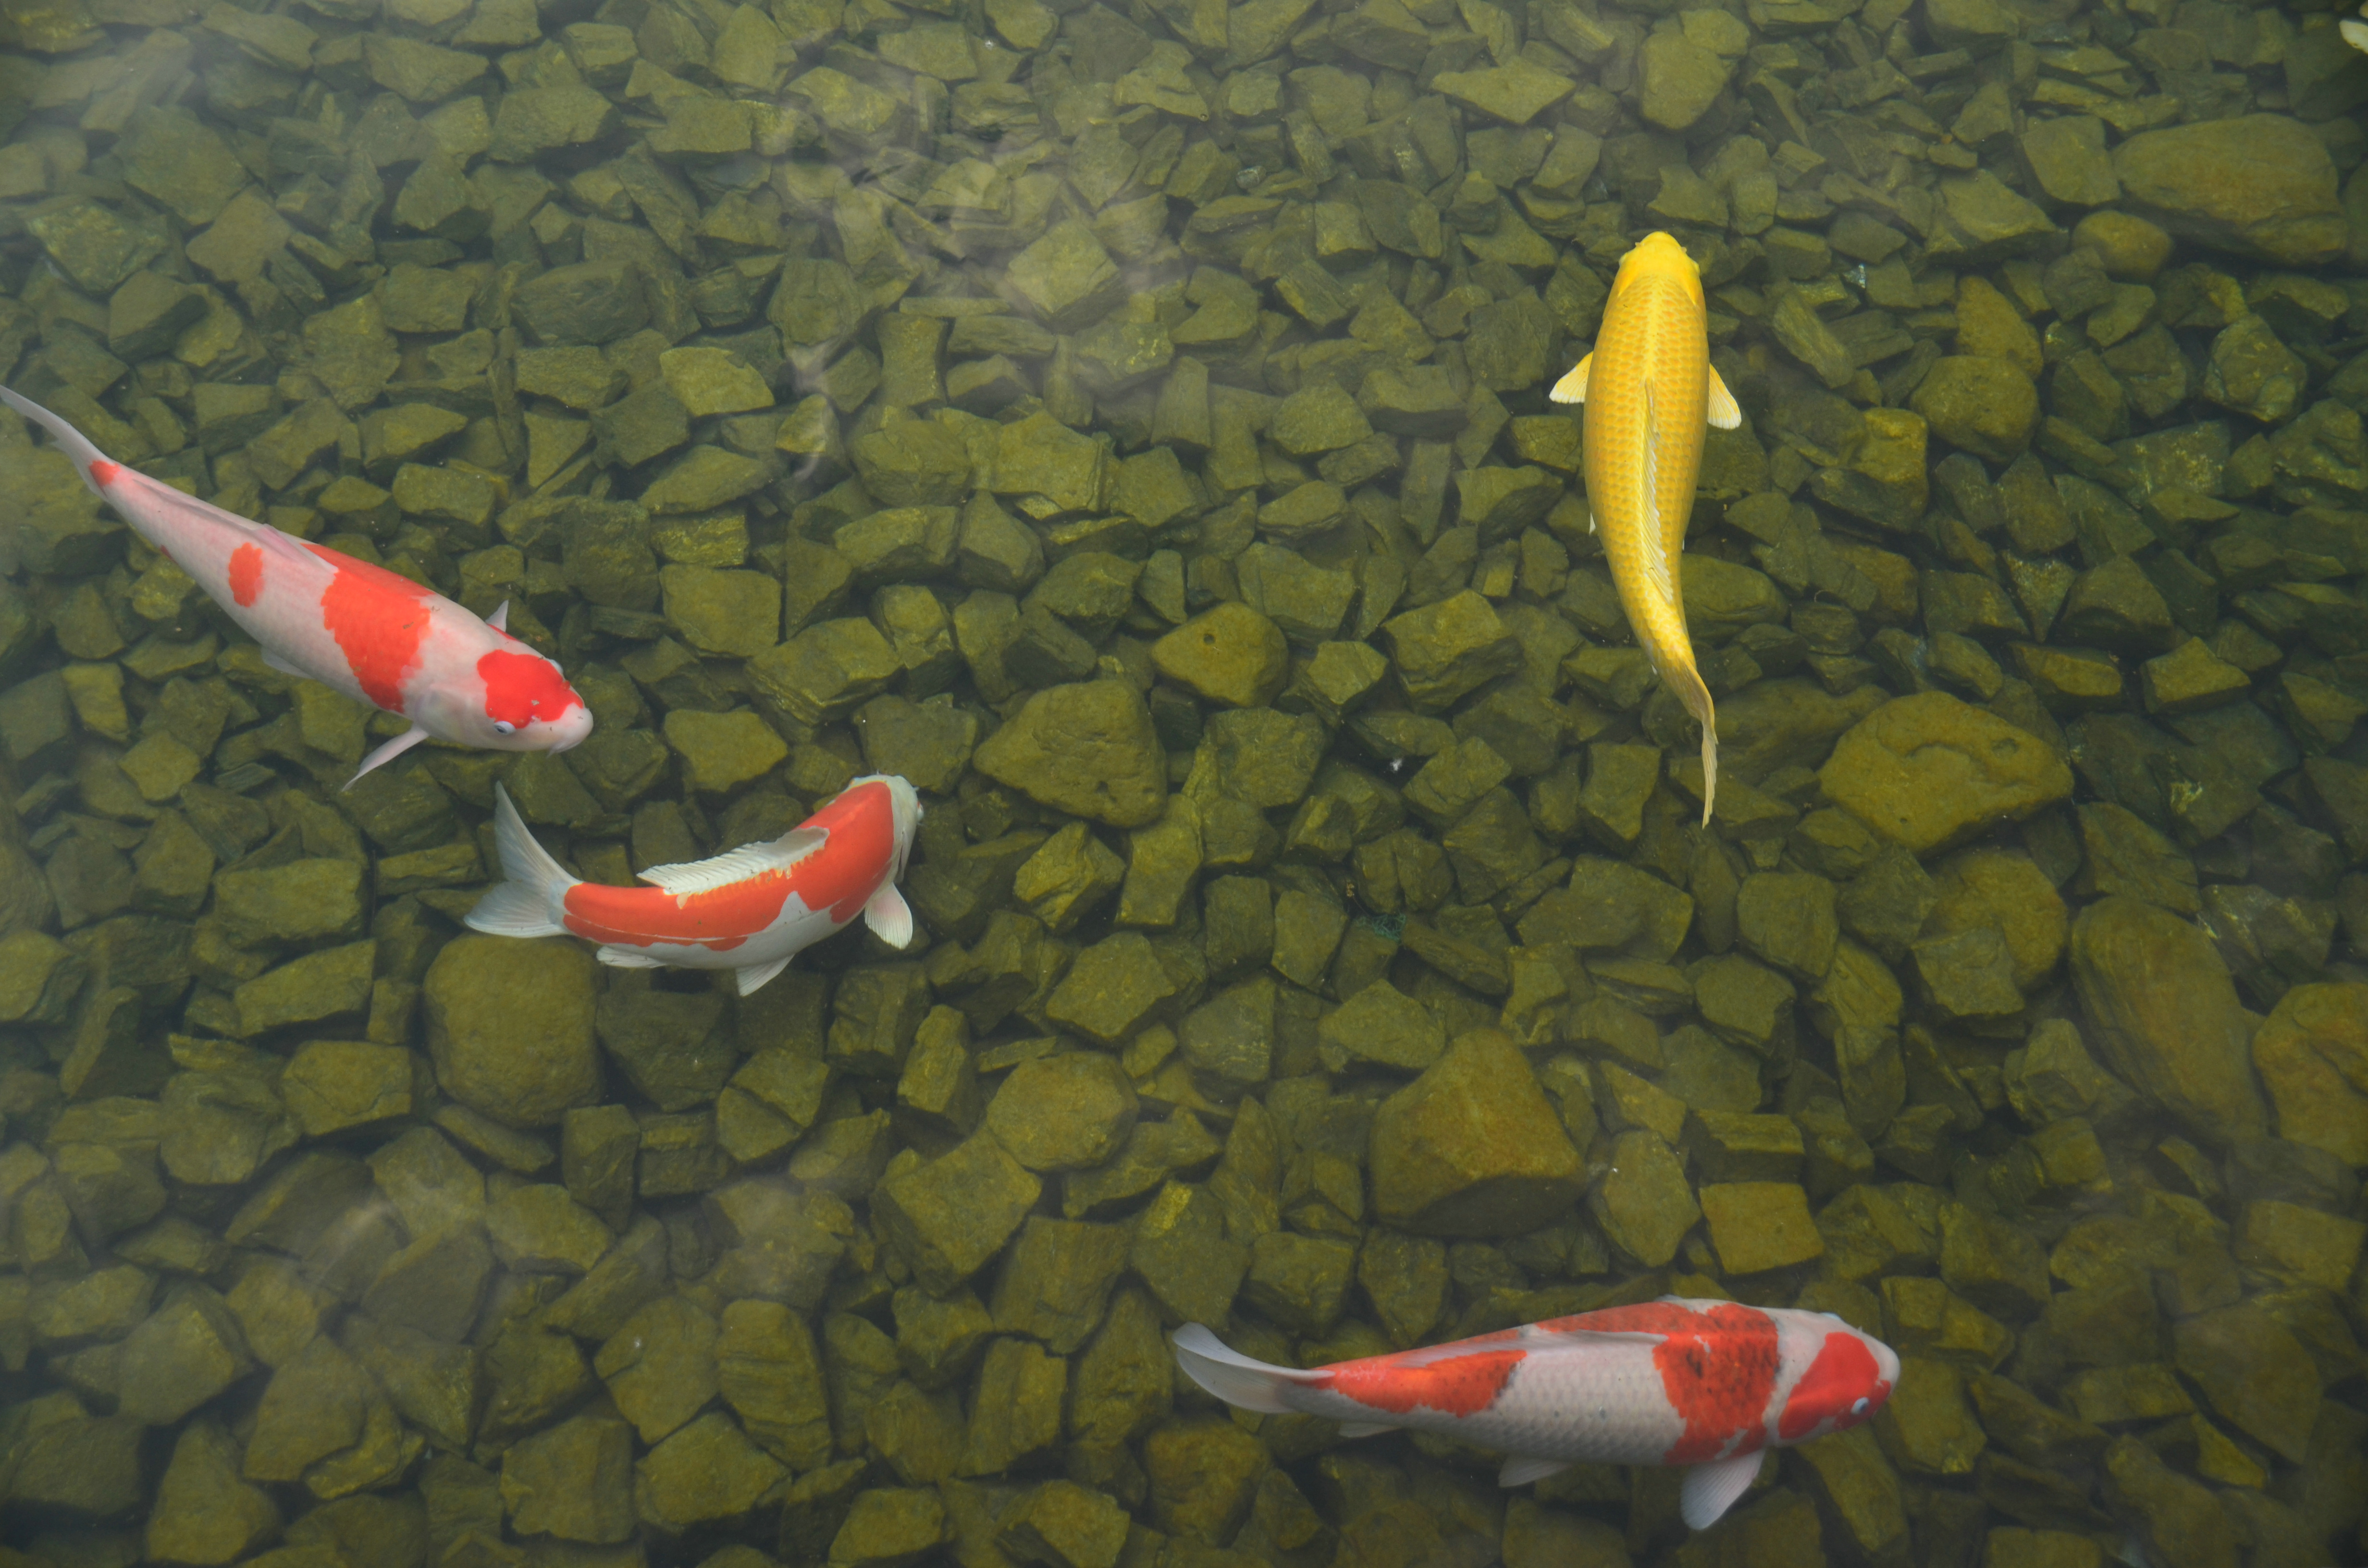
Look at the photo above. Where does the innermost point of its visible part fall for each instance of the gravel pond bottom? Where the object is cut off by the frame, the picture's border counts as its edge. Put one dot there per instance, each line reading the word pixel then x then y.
pixel 1129 423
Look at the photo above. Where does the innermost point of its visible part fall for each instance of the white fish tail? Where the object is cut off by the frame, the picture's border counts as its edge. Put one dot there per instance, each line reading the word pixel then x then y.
pixel 71 441
pixel 1233 1376
pixel 528 902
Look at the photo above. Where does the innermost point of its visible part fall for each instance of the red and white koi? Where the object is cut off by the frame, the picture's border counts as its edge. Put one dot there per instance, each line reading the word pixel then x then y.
pixel 361 628
pixel 1708 1384
pixel 750 910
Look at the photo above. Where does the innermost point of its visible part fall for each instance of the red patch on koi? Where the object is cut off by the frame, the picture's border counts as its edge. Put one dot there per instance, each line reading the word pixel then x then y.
pixel 1718 1369
pixel 245 573
pixel 522 688
pixel 103 472
pixel 840 876
pixel 1459 1385
pixel 1844 1372
pixel 379 619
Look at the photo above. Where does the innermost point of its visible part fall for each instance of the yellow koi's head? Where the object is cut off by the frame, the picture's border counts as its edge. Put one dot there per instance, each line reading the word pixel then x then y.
pixel 1659 255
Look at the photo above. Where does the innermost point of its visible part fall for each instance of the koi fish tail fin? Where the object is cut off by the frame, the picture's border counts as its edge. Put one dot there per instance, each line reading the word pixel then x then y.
pixel 1233 1377
pixel 528 902
pixel 1695 695
pixel 71 441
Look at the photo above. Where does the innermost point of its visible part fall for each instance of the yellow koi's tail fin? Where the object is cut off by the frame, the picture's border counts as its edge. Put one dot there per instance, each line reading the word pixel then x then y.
pixel 1687 682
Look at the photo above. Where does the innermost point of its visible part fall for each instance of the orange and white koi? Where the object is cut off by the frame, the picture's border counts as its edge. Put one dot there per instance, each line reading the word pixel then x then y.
pixel 1648 388
pixel 1708 1384
pixel 324 616
pixel 750 910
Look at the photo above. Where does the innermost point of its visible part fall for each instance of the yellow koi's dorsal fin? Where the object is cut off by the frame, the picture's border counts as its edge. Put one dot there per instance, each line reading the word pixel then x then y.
pixel 1656 559
pixel 1573 387
pixel 1724 414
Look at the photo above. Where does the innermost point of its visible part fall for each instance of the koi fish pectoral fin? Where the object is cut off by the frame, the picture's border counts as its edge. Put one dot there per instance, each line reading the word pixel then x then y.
pixel 1520 1469
pixel 279 662
pixel 1365 1428
pixel 1723 411
pixel 1710 1490
pixel 889 916
pixel 616 957
pixel 1571 388
pixel 757 974
pixel 500 620
pixel 387 753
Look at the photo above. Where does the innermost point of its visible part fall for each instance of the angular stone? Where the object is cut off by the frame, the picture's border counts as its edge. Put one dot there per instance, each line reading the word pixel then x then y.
pixel 2168 1016
pixel 1070 1111
pixel 1928 771
pixel 2260 186
pixel 510 1026
pixel 951 1215
pixel 1472 1146
pixel 1086 749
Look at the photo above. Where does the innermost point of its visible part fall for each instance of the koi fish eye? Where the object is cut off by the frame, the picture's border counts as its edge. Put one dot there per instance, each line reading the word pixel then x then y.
pixel 504 727
pixel 1859 1407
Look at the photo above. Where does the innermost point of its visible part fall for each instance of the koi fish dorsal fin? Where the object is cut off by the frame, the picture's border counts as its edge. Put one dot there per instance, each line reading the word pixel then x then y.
pixel 737 865
pixel 285 546
pixel 1571 388
pixel 1656 559
pixel 1724 412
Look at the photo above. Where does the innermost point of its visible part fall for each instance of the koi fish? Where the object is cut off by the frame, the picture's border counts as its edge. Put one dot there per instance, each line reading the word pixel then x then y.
pixel 750 910
pixel 1693 1383
pixel 324 616
pixel 1648 387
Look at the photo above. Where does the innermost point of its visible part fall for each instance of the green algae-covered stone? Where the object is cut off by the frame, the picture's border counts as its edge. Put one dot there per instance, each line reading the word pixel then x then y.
pixel 767 1371
pixel 1016 1413
pixel 1984 407
pixel 721 752
pixel 1062 1523
pixel 509 1025
pixel 1444 650
pixel 1057 1279
pixel 1230 654
pixel 1471 1147
pixel 1184 1256
pixel 205 1514
pixel 1070 1111
pixel 1204 1473
pixel 301 901
pixel 573 1481
pixel 1642 1202
pixel 331 1086
pixel 705 1473
pixel 2166 1014
pixel 948 1216
pixel 1928 771
pixel 1086 749
pixel 1381 1025
pixel 1758 1225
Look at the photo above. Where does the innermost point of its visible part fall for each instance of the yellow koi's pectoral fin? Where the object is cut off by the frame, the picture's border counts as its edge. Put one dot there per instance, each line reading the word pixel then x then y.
pixel 1651 555
pixel 1724 412
pixel 1571 388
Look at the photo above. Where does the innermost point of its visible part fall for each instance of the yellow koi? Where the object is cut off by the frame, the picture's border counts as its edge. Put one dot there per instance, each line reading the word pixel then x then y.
pixel 1648 389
